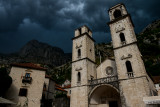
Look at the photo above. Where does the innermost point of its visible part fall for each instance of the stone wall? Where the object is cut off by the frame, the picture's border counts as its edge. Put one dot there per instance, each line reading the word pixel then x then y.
pixel 87 48
pixel 135 59
pixel 101 69
pixel 79 97
pixel 132 92
pixel 128 30
pixel 35 89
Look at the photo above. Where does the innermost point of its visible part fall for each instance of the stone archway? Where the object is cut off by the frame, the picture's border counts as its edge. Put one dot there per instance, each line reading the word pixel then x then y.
pixel 104 96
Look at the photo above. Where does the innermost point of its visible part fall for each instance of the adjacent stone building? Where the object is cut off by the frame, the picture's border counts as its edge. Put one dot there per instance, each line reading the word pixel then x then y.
pixel 156 80
pixel 29 84
pixel 119 82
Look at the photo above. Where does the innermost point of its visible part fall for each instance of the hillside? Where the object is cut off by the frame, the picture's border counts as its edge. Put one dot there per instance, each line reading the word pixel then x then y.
pixel 103 50
pixel 59 63
pixel 37 52
pixel 149 45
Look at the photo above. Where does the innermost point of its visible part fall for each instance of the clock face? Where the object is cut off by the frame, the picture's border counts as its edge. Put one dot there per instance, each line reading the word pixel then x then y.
pixel 109 71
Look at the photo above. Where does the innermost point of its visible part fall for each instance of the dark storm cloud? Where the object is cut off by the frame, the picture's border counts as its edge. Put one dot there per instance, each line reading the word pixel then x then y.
pixel 54 21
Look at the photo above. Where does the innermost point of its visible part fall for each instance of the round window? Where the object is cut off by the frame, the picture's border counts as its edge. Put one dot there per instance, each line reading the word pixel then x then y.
pixel 109 70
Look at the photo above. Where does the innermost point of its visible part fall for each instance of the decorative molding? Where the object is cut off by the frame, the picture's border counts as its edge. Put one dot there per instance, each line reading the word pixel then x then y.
pixel 126 57
pixel 77 47
pixel 125 45
pixel 116 6
pixel 120 18
pixel 84 34
pixel 83 59
pixel 78 69
pixel 119 29
pixel 28 70
pixel 113 80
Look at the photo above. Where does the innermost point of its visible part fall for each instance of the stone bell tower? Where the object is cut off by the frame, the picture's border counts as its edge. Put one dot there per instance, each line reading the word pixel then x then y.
pixel 83 66
pixel 133 79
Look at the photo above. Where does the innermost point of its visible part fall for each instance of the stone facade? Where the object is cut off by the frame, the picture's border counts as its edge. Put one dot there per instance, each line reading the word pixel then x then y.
pixel 30 87
pixel 49 89
pixel 102 68
pixel 122 82
pixel 83 67
pixel 132 75
pixel 34 90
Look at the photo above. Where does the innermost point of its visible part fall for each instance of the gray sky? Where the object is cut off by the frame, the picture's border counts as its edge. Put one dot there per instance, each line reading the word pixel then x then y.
pixel 54 21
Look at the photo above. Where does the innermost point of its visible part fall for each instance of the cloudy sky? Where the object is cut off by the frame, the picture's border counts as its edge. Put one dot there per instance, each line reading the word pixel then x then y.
pixel 54 21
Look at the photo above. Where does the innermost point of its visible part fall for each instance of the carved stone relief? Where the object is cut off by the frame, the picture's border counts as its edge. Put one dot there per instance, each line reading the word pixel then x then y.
pixel 126 57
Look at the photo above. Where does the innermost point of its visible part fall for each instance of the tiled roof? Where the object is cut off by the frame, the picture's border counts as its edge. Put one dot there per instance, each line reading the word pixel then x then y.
pixel 59 88
pixel 68 86
pixel 156 79
pixel 47 76
pixel 28 65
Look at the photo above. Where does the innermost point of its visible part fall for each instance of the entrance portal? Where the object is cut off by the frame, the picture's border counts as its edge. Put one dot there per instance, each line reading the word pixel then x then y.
pixel 113 104
pixel 104 96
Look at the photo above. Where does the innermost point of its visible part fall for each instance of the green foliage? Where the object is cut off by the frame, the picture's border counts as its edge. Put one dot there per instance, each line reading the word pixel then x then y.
pixel 60 74
pixel 60 95
pixel 5 81
pixel 150 49
pixel 104 50
pixel 152 68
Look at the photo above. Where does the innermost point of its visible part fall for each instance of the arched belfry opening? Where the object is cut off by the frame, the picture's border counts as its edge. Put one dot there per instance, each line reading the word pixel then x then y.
pixel 129 69
pixel 79 52
pixel 79 77
pixel 129 66
pixel 122 37
pixel 117 13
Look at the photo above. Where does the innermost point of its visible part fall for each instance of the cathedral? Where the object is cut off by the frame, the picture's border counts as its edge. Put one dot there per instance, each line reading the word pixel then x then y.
pixel 119 82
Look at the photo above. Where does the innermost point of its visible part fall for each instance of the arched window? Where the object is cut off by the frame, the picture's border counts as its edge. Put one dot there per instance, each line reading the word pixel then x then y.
pixel 129 66
pixel 79 52
pixel 117 13
pixel 79 76
pixel 122 37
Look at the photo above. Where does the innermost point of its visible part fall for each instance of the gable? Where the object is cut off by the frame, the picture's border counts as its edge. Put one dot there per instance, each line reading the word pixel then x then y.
pixel 106 68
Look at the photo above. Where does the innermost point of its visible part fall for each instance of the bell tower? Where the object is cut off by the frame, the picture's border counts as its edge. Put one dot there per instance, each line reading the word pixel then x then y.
pixel 133 79
pixel 83 66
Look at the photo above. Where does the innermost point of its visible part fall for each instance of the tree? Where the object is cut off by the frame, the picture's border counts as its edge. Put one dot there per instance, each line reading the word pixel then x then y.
pixel 5 81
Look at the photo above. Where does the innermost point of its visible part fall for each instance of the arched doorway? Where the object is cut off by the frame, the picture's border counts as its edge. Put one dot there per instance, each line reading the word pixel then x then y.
pixel 104 96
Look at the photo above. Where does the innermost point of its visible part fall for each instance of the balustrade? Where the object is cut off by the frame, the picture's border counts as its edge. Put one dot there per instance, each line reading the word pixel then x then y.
pixel 27 80
pixel 103 80
pixel 130 74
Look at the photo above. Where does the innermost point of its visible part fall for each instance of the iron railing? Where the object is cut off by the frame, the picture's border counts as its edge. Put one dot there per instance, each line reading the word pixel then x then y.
pixel 130 74
pixel 26 79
